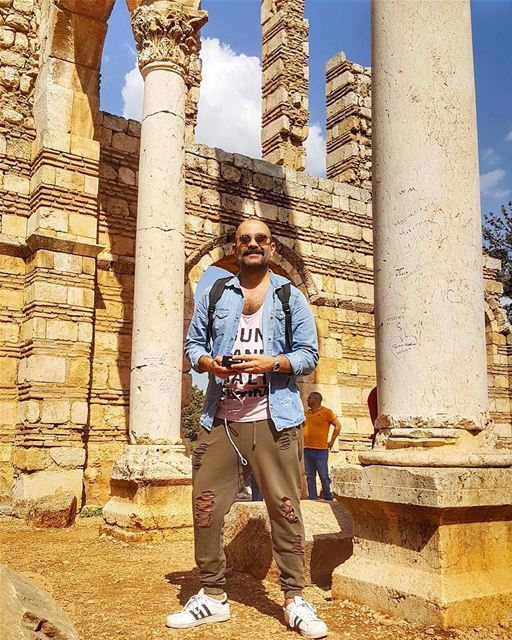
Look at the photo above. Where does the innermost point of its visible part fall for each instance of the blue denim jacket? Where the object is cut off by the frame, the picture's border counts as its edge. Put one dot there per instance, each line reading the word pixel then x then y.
pixel 285 405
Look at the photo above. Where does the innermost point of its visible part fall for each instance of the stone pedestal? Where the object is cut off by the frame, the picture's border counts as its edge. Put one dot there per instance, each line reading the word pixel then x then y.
pixel 433 546
pixel 248 546
pixel 150 495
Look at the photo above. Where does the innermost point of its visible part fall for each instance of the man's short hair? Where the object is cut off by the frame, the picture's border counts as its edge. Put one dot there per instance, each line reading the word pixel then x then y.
pixel 317 395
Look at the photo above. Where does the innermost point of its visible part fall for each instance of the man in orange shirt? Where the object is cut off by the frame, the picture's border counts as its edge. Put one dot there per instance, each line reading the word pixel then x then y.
pixel 317 444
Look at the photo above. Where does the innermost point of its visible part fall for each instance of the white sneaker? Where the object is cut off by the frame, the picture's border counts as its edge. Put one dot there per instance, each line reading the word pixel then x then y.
pixel 301 616
pixel 200 609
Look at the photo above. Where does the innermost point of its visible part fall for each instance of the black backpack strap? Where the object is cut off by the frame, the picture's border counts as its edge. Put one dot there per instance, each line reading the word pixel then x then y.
pixel 283 293
pixel 215 295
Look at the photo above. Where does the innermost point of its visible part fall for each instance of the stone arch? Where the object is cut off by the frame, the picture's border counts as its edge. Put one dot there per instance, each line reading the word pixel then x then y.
pixel 66 98
pixel 217 252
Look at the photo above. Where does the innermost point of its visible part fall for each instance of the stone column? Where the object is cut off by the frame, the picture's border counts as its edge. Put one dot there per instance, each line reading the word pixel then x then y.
pixel 429 296
pixel 154 469
pixel 426 528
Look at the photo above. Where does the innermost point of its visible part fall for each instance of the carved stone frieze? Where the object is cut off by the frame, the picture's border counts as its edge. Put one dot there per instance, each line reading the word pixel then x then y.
pixel 167 32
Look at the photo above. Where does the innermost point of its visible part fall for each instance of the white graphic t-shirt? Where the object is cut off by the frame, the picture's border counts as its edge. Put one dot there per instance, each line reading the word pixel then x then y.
pixel 247 397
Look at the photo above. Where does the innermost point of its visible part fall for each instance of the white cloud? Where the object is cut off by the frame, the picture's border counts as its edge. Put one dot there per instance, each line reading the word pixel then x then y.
pixel 229 114
pixel 490 158
pixel 489 181
pixel 501 195
pixel 133 92
pixel 316 151
pixel 509 136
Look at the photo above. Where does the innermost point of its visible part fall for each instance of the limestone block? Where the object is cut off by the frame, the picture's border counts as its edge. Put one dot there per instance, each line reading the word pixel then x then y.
pixel 82 225
pixel 79 412
pixel 449 560
pixel 36 485
pixel 54 511
pixel 68 457
pixel 61 330
pixel 16 183
pixel 30 459
pixel 8 371
pixel 27 607
pixel 101 458
pixel 45 368
pixel 68 262
pixel 79 372
pixel 327 541
pixel 14 225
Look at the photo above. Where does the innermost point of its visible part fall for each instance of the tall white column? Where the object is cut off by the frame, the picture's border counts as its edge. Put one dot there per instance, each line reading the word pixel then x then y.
pixel 150 484
pixel 429 296
pixel 155 385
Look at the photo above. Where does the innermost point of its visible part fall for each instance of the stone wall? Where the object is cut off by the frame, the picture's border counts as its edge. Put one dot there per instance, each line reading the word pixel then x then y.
pixel 18 67
pixel 499 353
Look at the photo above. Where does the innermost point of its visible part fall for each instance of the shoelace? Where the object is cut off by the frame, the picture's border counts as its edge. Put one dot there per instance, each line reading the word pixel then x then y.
pixel 307 611
pixel 194 603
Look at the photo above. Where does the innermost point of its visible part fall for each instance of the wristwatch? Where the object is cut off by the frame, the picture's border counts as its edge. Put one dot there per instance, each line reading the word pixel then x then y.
pixel 276 366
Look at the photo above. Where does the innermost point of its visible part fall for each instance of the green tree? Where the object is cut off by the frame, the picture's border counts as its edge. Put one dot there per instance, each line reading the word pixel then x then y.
pixel 497 232
pixel 191 413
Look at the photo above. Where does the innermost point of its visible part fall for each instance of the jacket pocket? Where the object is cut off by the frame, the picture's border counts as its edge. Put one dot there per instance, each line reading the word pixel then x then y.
pixel 219 321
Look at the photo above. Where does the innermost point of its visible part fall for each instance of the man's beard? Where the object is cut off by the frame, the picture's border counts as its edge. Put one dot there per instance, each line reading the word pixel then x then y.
pixel 256 266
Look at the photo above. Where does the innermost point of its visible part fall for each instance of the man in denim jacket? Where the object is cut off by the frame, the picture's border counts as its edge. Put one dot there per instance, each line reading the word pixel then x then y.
pixel 252 415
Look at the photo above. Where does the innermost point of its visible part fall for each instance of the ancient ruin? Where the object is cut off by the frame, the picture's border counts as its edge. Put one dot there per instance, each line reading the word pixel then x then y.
pixel 102 245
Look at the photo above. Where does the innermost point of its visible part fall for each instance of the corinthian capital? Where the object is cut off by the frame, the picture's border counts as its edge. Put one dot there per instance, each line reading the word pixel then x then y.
pixel 167 31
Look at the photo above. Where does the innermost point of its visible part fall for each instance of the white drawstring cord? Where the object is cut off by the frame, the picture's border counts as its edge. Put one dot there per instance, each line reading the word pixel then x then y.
pixel 242 459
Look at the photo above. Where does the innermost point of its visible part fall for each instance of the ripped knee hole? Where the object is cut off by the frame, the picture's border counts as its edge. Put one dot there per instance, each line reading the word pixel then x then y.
pixel 203 508
pixel 287 510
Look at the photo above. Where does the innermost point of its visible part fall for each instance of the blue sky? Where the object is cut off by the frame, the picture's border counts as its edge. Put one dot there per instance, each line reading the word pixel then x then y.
pixel 232 50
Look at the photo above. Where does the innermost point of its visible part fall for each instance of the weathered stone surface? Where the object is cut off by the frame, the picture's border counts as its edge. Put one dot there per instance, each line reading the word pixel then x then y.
pixel 29 613
pixel 55 511
pixel 327 541
pixel 141 463
pixel 151 495
pixel 433 546
pixel 38 484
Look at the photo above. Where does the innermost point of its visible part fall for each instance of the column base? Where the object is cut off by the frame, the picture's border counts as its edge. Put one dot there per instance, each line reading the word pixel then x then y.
pixel 430 457
pixel 151 495
pixel 433 546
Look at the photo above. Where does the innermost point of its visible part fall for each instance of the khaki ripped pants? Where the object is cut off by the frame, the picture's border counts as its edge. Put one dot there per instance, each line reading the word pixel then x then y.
pixel 274 458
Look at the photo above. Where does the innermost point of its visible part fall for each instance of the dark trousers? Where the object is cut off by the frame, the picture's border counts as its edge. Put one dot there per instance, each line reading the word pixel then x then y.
pixel 274 458
pixel 316 461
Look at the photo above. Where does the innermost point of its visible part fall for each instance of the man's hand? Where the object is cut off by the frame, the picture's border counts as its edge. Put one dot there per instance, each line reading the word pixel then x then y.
pixel 214 366
pixel 257 363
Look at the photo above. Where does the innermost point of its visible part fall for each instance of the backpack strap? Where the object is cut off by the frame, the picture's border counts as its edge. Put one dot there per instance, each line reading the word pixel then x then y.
pixel 215 295
pixel 283 293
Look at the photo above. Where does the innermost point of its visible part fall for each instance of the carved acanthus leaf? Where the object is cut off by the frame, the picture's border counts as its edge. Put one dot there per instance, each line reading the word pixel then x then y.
pixel 167 33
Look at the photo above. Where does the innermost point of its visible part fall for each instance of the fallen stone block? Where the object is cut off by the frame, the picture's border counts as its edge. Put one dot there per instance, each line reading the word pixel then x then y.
pixel 328 540
pixel 55 511
pixel 28 612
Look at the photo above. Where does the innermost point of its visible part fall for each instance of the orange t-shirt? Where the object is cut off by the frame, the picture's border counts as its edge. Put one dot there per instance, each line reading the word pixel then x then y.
pixel 316 430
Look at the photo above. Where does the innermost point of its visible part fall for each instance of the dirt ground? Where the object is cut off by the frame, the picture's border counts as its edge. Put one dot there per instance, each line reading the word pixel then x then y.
pixel 113 590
